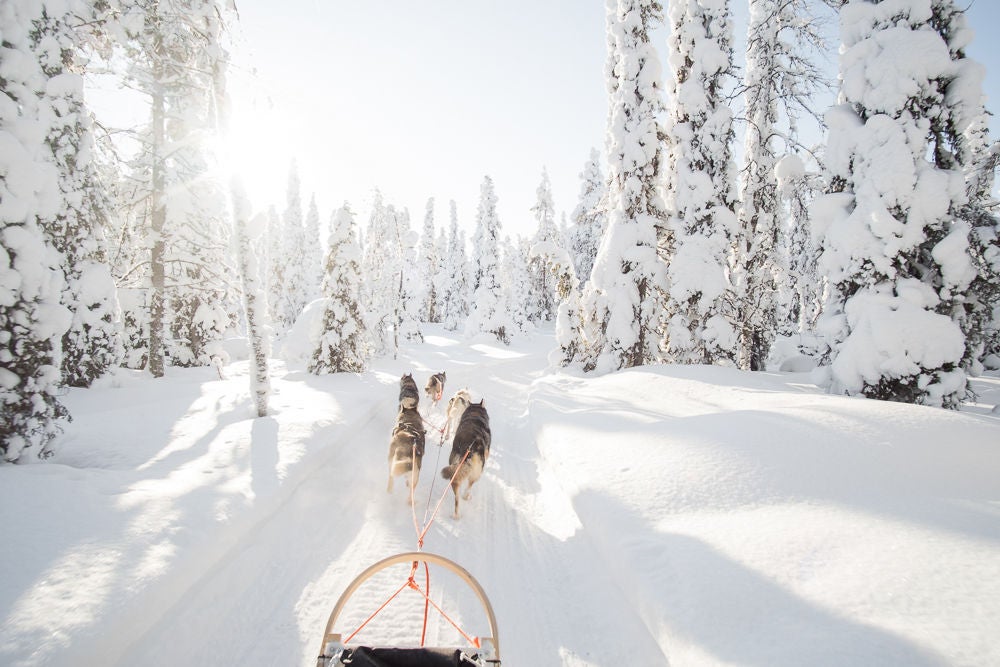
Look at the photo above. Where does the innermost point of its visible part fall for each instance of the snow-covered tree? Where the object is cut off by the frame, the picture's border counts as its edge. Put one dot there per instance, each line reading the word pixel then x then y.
pixel 455 297
pixel 275 265
pixel 343 345
pixel 588 218
pixel 378 269
pixel 977 155
pixel 569 320
pixel 440 274
pixel 486 314
pixel 543 306
pixel 427 263
pixel 294 290
pixel 896 254
pixel 701 189
pixel 623 300
pixel 93 343
pixel 176 55
pixel 312 260
pixel 517 282
pixel 32 321
pixel 408 296
pixel 799 287
pixel 246 229
pixel 392 311
pixel 780 77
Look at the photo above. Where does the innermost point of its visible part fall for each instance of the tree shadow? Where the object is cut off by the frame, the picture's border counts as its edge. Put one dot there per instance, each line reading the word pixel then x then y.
pixel 692 594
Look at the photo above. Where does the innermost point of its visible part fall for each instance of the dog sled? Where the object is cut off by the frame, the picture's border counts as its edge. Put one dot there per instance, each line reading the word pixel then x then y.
pixel 337 651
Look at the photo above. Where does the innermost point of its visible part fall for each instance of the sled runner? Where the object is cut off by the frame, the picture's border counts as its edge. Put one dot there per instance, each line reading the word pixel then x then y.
pixel 338 652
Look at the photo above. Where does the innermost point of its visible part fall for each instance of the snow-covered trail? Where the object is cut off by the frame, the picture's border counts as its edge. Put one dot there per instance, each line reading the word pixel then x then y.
pixel 519 536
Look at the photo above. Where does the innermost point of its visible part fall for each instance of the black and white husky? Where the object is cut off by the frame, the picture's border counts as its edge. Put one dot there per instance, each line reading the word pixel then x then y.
pixel 469 451
pixel 406 448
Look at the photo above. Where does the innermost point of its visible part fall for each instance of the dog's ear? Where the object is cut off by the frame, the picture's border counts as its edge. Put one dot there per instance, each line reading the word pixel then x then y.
pixel 482 403
pixel 444 376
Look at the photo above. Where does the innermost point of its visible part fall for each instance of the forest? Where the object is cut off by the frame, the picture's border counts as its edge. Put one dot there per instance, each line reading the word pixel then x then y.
pixel 878 251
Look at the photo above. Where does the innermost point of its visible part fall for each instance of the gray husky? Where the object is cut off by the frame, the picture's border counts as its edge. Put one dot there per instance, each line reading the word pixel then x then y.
pixel 409 395
pixel 472 436
pixel 406 448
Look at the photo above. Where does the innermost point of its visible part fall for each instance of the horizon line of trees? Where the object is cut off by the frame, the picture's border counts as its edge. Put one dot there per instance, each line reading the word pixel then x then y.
pixel 879 249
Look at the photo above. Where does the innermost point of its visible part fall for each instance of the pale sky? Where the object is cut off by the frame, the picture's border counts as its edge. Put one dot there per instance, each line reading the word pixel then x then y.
pixel 424 98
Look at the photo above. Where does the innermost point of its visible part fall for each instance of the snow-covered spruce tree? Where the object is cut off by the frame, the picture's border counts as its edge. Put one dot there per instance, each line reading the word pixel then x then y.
pixel 966 131
pixel 544 302
pixel 378 268
pixel 427 263
pixel 457 284
pixel 896 255
pixel 312 260
pixel 408 297
pixel 275 265
pixel 780 78
pixel 569 320
pixel 588 217
pixel 32 321
pixel 93 343
pixel 440 274
pixel 293 288
pixel 486 314
pixel 799 287
pixel 517 278
pixel 246 229
pixel 343 345
pixel 624 298
pixel 701 192
pixel 392 312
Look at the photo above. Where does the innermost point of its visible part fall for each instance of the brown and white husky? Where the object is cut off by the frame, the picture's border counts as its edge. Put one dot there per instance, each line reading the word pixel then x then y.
pixel 435 387
pixel 456 406
pixel 406 448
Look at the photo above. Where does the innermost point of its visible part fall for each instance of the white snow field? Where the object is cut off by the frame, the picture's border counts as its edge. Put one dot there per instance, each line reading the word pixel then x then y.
pixel 662 515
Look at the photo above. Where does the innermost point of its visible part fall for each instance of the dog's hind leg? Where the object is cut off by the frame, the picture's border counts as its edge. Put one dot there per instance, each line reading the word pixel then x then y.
pixel 454 489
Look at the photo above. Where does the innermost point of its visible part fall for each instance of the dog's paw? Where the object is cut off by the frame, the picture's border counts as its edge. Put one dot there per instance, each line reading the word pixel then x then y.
pixel 467 496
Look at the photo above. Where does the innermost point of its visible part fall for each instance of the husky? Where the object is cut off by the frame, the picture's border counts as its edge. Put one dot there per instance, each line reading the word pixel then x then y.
pixel 472 436
pixel 406 448
pixel 409 395
pixel 435 387
pixel 456 406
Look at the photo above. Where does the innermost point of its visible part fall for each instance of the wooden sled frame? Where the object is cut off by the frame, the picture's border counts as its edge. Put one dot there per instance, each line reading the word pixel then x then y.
pixel 490 646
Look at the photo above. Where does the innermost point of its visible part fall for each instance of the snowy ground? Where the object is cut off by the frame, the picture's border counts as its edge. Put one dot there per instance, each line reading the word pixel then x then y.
pixel 681 515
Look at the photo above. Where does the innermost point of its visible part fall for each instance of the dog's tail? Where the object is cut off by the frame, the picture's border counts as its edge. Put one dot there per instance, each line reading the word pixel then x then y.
pixel 448 472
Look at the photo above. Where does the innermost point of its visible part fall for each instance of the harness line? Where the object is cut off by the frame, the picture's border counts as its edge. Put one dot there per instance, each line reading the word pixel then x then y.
pixel 410 582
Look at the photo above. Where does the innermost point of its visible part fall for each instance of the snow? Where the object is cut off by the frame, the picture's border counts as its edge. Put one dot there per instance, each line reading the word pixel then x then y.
pixel 689 514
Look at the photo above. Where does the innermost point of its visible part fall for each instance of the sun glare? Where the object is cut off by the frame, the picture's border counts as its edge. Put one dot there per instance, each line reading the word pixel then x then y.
pixel 255 149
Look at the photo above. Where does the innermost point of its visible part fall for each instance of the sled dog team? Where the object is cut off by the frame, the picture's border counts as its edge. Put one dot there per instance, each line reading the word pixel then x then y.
pixel 467 424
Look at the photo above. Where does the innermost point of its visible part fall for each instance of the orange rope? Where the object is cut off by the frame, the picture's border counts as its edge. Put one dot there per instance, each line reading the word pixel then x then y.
pixel 420 544
pixel 420 537
pixel 472 640
pixel 379 610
